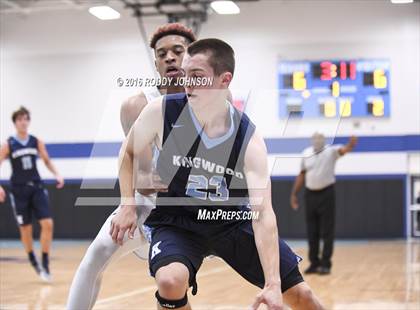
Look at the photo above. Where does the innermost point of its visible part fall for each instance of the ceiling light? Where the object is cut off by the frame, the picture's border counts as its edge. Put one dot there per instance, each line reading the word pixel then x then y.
pixel 104 12
pixel 225 7
pixel 401 1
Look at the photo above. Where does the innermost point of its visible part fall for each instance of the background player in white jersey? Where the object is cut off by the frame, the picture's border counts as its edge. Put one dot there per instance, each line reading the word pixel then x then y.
pixel 169 43
pixel 212 159
pixel 28 196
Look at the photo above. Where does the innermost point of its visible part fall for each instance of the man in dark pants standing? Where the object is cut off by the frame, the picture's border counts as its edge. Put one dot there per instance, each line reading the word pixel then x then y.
pixel 317 173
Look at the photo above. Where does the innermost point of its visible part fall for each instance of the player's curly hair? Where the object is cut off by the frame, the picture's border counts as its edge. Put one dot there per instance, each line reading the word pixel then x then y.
pixel 21 111
pixel 172 28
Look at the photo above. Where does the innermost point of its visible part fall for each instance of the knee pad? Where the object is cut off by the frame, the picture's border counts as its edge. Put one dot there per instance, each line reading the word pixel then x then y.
pixel 171 304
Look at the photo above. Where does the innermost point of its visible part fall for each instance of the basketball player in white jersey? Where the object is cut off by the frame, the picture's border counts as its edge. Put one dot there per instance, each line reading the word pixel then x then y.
pixel 169 43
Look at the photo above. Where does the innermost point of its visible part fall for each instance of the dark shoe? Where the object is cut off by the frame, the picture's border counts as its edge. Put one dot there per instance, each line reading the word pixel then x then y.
pixel 324 271
pixel 312 269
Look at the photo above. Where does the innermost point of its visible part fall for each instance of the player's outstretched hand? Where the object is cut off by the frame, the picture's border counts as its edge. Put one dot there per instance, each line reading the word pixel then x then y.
pixel 353 141
pixel 125 220
pixel 270 296
pixel 60 181
pixel 2 195
pixel 294 202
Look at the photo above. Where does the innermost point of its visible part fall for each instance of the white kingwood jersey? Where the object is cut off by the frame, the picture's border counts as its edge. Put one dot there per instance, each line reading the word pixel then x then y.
pixel 151 93
pixel 146 204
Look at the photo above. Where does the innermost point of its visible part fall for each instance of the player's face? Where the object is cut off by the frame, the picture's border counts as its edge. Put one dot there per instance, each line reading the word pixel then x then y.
pixel 318 142
pixel 22 123
pixel 198 66
pixel 169 52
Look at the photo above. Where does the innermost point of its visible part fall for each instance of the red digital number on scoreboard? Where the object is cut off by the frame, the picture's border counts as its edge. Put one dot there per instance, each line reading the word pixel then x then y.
pixel 329 70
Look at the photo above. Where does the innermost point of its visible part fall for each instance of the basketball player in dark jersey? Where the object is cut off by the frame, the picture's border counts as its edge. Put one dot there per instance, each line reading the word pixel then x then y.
pixel 214 161
pixel 27 193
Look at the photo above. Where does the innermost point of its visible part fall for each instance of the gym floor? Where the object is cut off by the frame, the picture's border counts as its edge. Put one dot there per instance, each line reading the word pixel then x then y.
pixel 375 275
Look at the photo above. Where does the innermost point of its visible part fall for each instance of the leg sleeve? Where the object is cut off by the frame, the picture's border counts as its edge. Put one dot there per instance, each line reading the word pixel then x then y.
pixel 87 280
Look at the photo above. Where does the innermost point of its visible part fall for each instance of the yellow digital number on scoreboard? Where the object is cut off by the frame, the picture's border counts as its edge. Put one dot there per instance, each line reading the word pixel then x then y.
pixel 379 79
pixel 335 89
pixel 299 81
pixel 378 107
pixel 330 108
pixel 345 107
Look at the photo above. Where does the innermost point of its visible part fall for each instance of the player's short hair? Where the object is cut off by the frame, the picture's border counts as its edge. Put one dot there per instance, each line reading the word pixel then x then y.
pixel 21 111
pixel 222 56
pixel 172 28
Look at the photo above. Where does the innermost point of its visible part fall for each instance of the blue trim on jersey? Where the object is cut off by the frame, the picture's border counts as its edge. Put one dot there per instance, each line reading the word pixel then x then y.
pixel 21 141
pixel 212 142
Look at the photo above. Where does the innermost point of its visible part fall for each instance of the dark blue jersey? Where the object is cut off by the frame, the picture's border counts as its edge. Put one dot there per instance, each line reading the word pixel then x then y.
pixel 201 172
pixel 23 160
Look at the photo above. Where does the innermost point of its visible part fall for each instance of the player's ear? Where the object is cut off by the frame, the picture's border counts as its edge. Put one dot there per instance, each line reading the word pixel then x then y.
pixel 227 78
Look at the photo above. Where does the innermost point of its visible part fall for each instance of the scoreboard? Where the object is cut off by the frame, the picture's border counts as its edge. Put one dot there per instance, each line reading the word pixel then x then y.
pixel 334 88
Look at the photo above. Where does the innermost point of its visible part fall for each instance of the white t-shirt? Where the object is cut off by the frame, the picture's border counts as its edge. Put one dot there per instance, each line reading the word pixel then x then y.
pixel 320 166
pixel 151 93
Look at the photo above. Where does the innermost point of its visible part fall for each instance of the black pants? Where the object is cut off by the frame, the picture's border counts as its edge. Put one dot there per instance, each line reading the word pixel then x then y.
pixel 320 221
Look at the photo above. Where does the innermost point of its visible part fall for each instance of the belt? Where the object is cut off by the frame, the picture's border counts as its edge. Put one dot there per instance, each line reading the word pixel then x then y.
pixel 320 190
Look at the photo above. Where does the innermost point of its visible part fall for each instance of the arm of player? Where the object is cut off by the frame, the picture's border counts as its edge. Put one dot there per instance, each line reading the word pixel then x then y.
pixel 144 132
pixel 348 147
pixel 43 153
pixel 299 181
pixel 130 111
pixel 265 226
pixel 4 152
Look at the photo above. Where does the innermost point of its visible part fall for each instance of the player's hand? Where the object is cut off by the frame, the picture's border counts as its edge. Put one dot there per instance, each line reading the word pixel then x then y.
pixel 60 181
pixel 124 221
pixel 294 202
pixel 270 296
pixel 353 141
pixel 2 195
